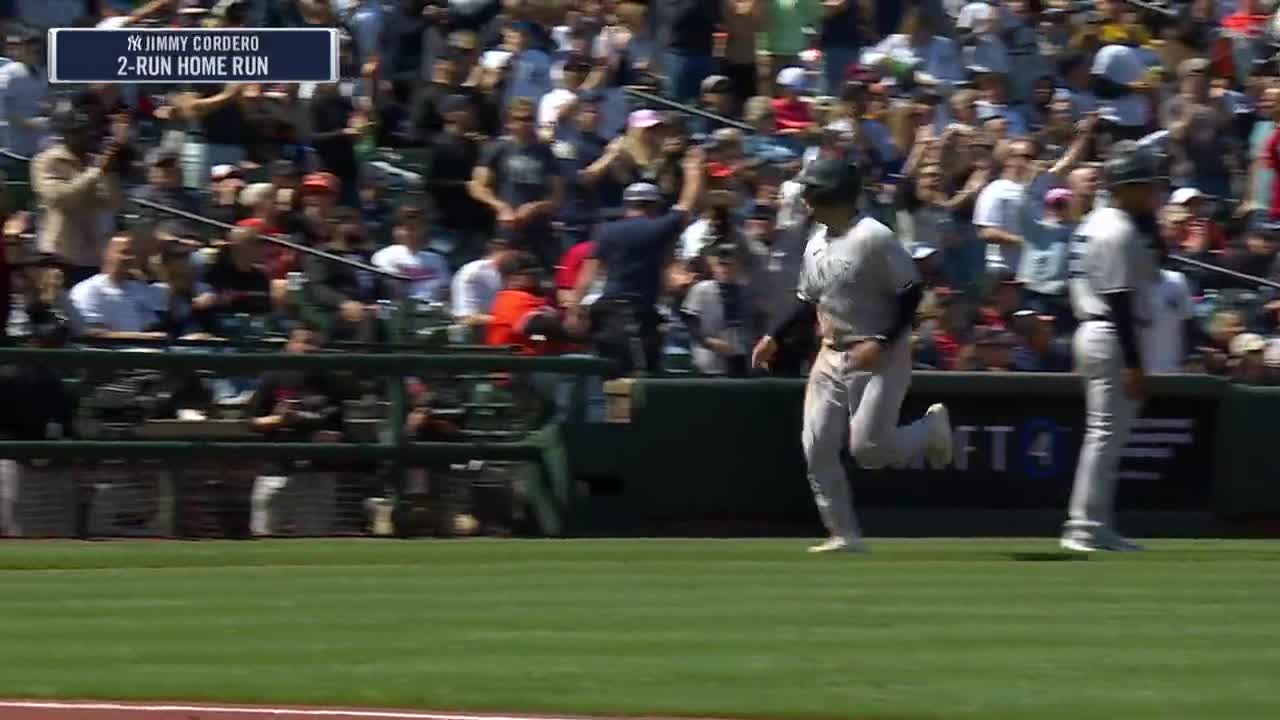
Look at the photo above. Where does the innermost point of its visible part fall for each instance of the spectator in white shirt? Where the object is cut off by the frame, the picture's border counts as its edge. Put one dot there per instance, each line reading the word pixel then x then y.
pixel 1001 212
pixel 1164 342
pixel 409 256
pixel 24 88
pixel 476 284
pixel 115 303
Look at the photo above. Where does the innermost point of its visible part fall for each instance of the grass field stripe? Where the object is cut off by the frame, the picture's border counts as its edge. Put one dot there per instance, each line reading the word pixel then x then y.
pixel 265 710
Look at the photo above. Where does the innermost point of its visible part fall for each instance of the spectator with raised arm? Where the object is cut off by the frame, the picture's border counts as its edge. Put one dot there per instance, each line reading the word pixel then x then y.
pixel 73 186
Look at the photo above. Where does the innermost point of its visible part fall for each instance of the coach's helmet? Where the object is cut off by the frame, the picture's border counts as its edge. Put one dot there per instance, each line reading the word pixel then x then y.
pixel 1131 163
pixel 831 180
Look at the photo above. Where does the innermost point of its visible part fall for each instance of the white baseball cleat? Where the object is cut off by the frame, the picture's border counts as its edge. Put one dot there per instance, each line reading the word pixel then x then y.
pixel 1078 542
pixel 840 544
pixel 939 450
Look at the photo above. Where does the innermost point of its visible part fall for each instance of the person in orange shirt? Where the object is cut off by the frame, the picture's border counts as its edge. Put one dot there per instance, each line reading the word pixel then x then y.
pixel 521 316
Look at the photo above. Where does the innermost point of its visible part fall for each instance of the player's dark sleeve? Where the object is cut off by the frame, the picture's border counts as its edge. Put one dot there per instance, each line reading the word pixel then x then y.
pixel 804 313
pixel 908 300
pixel 1126 326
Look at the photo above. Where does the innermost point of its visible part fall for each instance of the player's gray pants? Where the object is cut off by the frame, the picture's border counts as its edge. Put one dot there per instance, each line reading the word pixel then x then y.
pixel 1109 417
pixel 845 408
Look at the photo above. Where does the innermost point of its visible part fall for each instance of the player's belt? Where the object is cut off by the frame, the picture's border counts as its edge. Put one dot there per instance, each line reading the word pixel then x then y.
pixel 1103 318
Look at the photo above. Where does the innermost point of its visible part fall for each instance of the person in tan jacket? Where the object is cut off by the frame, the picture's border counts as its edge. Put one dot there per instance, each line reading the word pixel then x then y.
pixel 73 186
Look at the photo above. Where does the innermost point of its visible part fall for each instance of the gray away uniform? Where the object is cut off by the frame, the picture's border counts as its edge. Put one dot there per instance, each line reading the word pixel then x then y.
pixel 1108 254
pixel 855 281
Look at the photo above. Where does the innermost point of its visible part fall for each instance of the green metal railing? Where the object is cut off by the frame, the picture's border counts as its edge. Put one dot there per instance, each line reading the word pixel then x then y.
pixel 543 446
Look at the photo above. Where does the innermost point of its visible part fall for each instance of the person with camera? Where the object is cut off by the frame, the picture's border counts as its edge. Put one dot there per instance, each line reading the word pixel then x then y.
pixel 74 181
pixel 634 251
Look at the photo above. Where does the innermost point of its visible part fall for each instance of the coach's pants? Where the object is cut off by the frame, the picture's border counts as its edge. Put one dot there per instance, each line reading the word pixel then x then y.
pixel 1109 417
pixel 302 503
pixel 845 408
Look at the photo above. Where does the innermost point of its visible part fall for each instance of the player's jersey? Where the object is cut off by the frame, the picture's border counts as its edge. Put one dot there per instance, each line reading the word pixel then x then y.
pixel 1108 254
pixel 855 280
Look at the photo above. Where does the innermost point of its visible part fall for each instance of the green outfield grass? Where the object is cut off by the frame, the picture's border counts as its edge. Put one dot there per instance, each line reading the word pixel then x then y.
pixel 920 629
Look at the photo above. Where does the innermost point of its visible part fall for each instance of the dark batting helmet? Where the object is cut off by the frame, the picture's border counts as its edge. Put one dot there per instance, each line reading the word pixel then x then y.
pixel 1130 163
pixel 832 180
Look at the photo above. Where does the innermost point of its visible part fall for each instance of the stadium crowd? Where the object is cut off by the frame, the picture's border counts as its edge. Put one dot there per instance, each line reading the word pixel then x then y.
pixel 560 212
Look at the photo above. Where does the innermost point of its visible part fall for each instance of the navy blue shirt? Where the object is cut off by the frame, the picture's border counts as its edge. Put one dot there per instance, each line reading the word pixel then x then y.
pixel 633 251
pixel 690 25
pixel 576 152
pixel 841 29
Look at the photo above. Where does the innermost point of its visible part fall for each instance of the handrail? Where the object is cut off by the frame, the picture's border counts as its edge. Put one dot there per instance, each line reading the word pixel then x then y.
pixel 1226 271
pixel 275 343
pixel 359 363
pixel 688 109
pixel 274 239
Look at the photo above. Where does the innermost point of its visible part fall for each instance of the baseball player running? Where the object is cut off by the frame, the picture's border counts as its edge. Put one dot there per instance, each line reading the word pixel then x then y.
pixel 1111 270
pixel 862 287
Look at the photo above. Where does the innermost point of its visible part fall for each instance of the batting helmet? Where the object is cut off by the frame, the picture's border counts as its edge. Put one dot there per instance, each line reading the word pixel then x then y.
pixel 832 179
pixel 1131 163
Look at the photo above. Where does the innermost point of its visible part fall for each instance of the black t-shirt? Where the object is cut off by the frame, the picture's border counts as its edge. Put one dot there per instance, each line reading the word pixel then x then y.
pixel 633 251
pixel 250 288
pixel 453 159
pixel 314 396
pixel 690 25
pixel 330 117
pixel 406 38
pixel 841 29
pixel 227 125
pixel 522 173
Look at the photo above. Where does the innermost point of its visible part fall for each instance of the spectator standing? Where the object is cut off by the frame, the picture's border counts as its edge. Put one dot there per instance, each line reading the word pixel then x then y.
pixel 1165 337
pixel 1043 268
pixel 1201 130
pixel 24 89
pixel 519 179
pixel 743 21
pixel 1119 80
pixel 841 34
pixel 633 251
pixel 409 256
pixel 589 165
pixel 73 187
pixel 452 155
pixel 1261 173
pixel 164 187
pixel 335 127
pixel 690 26
pixel 218 131
pixel 718 314
pixel 115 303
pixel 1002 212
pixel 530 65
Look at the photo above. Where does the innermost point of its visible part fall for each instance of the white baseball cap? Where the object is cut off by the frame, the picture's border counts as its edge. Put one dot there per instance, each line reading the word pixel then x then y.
pixel 1182 196
pixel 792 77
